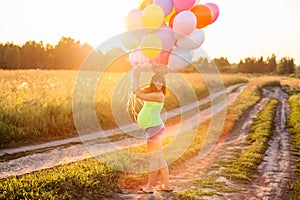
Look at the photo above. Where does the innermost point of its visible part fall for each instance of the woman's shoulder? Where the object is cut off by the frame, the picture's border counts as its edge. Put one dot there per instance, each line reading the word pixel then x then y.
pixel 153 102
pixel 150 96
pixel 147 91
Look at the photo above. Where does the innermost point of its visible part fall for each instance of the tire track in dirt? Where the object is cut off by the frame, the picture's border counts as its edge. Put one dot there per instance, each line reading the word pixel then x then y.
pixel 276 171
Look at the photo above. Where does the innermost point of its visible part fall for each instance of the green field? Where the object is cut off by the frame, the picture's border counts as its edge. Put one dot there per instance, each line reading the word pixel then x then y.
pixel 37 104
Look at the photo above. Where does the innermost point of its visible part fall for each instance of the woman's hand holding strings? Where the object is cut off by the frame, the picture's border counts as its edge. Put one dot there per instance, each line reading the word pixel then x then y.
pixel 136 78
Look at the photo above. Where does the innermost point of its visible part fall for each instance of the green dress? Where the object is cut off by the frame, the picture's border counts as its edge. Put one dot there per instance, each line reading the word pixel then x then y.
pixel 149 115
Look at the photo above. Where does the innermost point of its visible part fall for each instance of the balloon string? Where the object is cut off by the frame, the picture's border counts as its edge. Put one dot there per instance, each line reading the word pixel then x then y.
pixel 133 106
pixel 132 100
pixel 129 93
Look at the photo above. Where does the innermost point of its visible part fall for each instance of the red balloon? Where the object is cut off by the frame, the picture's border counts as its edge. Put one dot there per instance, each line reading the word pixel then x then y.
pixel 162 58
pixel 160 63
pixel 215 11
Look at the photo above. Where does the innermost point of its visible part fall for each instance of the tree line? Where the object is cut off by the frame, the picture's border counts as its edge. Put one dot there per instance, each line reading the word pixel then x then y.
pixel 285 65
pixel 66 54
pixel 70 54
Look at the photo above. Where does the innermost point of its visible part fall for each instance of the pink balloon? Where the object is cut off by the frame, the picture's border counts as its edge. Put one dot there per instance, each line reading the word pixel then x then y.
pixel 134 19
pixel 184 23
pixel 166 35
pixel 181 5
pixel 137 58
pixel 191 41
pixel 166 5
pixel 215 10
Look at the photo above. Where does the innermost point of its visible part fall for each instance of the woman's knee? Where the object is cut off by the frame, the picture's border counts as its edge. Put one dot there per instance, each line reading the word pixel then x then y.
pixel 162 162
pixel 153 146
pixel 157 155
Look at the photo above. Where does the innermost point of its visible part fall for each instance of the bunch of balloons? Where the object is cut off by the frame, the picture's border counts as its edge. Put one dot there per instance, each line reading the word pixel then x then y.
pixel 167 31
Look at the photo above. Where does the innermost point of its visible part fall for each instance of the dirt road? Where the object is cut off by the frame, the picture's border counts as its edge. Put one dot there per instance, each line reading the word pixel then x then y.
pixel 274 173
pixel 277 169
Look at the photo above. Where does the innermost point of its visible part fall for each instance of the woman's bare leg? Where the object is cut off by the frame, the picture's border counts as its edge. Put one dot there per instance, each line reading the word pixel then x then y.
pixel 153 149
pixel 157 164
pixel 163 167
pixel 164 171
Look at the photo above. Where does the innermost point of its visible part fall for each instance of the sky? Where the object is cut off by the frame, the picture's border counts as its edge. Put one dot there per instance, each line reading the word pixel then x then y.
pixel 243 29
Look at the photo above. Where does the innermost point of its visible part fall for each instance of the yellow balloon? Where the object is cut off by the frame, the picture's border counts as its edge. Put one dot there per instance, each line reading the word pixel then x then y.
pixel 144 3
pixel 167 18
pixel 151 45
pixel 153 16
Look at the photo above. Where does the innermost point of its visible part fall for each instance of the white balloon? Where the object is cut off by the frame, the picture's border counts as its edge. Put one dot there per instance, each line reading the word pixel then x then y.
pixel 191 41
pixel 180 58
pixel 184 23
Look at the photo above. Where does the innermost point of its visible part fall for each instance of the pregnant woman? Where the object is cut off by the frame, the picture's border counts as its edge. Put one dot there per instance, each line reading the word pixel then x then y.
pixel 149 119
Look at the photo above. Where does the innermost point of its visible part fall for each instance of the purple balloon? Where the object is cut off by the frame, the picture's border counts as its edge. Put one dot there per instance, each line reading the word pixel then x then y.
pixel 166 5
pixel 165 33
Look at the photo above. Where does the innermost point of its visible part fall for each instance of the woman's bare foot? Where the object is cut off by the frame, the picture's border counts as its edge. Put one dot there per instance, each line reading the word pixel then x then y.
pixel 164 188
pixel 145 190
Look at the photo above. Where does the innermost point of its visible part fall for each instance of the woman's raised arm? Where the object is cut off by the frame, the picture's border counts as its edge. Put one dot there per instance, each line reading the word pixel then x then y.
pixel 136 79
pixel 154 96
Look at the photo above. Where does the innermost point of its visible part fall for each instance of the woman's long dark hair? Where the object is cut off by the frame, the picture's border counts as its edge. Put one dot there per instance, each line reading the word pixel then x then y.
pixel 152 88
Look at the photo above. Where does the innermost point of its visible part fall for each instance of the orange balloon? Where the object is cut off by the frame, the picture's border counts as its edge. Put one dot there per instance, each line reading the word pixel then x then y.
pixel 168 18
pixel 203 14
pixel 172 19
pixel 144 4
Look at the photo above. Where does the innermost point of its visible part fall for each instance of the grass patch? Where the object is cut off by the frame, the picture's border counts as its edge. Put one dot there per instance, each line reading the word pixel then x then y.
pixel 247 161
pixel 225 162
pixel 294 129
pixel 86 179
pixel 206 187
pixel 187 195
